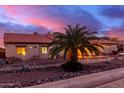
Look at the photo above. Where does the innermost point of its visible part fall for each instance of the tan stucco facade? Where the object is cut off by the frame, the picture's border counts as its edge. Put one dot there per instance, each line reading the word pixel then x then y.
pixel 31 50
pixel 34 50
pixel 108 48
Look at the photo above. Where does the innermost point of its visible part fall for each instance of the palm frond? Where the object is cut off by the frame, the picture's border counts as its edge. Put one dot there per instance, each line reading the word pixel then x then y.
pixel 77 37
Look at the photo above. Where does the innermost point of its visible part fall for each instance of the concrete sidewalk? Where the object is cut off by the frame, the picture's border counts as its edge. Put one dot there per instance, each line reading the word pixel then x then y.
pixel 115 84
pixel 87 81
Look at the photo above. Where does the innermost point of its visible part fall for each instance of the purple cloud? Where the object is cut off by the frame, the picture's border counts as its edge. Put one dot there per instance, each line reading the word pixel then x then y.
pixel 72 15
pixel 12 27
pixel 113 12
pixel 59 14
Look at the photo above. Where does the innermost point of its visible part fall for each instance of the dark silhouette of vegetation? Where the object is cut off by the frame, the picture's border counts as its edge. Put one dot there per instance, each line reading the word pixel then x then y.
pixel 73 39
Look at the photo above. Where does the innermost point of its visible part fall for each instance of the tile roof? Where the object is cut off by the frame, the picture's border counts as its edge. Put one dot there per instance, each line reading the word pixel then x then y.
pixel 104 41
pixel 27 38
pixel 40 38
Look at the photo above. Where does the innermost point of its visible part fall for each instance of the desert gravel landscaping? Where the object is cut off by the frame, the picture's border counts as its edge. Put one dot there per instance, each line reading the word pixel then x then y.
pixel 29 77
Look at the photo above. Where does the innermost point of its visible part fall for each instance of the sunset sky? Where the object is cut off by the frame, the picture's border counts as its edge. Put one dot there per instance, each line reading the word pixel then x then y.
pixel 107 20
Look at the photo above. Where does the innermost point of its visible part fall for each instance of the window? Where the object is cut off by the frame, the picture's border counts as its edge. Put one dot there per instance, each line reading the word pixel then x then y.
pixel 43 50
pixel 21 51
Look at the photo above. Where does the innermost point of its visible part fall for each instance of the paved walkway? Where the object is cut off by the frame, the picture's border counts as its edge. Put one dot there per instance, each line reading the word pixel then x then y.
pixel 115 84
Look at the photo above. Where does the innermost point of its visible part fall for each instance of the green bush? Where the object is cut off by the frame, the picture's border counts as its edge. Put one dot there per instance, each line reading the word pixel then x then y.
pixel 71 66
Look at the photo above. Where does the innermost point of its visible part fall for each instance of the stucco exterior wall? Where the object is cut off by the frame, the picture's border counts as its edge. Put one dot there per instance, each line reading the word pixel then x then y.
pixel 34 50
pixel 10 50
pixel 108 48
pixel 31 50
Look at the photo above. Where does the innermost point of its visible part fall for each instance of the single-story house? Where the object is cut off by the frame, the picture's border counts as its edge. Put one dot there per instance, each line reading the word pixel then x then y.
pixel 25 46
pixel 108 45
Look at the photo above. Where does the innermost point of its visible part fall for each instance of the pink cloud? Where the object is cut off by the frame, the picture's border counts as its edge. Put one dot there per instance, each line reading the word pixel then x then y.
pixel 44 22
pixel 9 9
pixel 30 15
pixel 115 33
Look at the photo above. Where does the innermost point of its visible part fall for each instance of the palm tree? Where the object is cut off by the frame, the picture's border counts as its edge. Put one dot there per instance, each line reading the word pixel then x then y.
pixel 74 39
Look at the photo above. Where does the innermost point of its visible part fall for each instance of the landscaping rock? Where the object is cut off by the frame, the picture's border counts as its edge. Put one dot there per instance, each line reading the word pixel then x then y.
pixel 44 74
pixel 38 81
pixel 25 68
pixel 5 69
pixel 11 60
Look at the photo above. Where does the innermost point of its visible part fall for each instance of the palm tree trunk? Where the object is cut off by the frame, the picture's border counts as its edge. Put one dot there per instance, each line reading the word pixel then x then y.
pixel 74 57
pixel 83 54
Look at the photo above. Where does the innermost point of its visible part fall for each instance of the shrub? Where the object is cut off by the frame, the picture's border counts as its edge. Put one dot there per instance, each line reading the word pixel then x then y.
pixel 11 60
pixel 71 66
pixel 35 57
pixel 107 62
pixel 25 68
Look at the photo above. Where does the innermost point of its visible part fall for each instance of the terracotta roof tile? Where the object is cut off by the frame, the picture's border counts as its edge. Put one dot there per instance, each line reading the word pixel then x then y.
pixel 27 38
pixel 104 42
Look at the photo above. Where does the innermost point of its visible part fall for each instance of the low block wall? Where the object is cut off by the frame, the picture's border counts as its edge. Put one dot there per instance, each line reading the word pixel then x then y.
pixel 86 81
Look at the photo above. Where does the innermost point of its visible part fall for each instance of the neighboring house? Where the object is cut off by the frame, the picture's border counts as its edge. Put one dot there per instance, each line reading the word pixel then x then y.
pixel 109 46
pixel 25 46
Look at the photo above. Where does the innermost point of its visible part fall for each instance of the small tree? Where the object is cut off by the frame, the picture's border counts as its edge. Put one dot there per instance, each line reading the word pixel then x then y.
pixel 74 39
